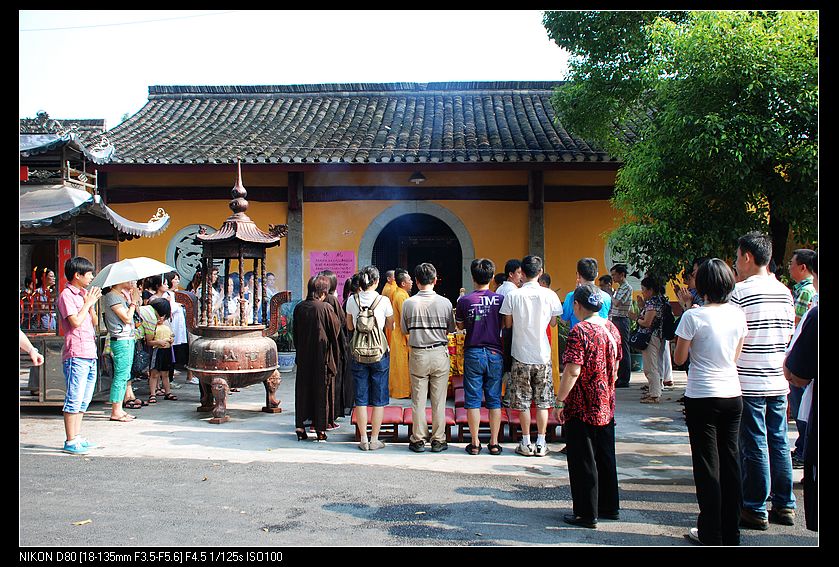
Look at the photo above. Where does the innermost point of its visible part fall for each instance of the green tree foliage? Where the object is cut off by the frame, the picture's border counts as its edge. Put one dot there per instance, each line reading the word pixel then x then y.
pixel 715 116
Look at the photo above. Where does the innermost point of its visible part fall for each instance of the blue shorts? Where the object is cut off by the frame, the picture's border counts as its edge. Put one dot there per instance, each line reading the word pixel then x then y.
pixel 371 382
pixel 80 381
pixel 482 370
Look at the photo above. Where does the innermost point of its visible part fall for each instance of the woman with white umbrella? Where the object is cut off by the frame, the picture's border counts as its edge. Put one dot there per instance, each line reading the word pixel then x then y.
pixel 120 304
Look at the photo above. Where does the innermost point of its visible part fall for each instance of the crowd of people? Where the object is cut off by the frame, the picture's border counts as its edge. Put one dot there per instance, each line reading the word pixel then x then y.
pixel 358 352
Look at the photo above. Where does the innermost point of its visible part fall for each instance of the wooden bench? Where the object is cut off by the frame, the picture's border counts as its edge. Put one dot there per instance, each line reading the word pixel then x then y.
pixel 408 419
pixel 391 421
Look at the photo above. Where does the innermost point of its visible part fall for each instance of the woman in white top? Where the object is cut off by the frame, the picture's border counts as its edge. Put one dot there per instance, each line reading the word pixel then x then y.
pixel 713 336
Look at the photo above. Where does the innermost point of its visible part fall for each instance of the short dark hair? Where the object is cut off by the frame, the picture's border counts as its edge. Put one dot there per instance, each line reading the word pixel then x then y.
pixel 805 257
pixel 530 266
pixel 715 280
pixel 545 279
pixel 511 266
pixel 483 269
pixel 500 278
pixel 758 244
pixel 619 268
pixel 162 307
pixel 587 268
pixel 367 277
pixel 400 276
pixel 589 298
pixel 333 279
pixel 154 282
pixel 425 273
pixel 605 279
pixel 698 261
pixel 170 277
pixel 317 286
pixel 77 265
pixel 651 282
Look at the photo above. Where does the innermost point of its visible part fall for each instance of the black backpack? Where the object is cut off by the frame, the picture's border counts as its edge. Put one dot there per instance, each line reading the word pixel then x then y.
pixel 668 321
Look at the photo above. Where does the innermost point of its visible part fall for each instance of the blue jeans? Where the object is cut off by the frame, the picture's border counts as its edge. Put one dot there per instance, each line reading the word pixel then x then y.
pixel 80 381
pixel 764 454
pixel 482 369
pixel 371 382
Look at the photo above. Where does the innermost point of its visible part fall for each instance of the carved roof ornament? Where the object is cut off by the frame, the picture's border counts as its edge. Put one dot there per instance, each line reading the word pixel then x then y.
pixel 239 226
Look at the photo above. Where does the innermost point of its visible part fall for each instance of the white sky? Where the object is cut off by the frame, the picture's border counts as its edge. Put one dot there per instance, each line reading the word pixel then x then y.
pixel 103 67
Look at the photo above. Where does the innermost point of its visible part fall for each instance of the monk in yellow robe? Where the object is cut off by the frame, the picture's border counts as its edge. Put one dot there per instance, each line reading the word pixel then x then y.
pixel 387 291
pixel 400 378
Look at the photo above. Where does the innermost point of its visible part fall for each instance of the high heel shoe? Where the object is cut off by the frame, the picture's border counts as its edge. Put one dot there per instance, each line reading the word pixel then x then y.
pixel 321 435
pixel 301 434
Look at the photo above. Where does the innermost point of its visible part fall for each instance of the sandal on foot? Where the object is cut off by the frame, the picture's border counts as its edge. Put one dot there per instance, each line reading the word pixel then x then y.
pixel 473 449
pixel 170 396
pixel 494 449
pixel 650 400
pixel 123 418
pixel 152 399
pixel 132 404
pixel 234 389
pixel 159 392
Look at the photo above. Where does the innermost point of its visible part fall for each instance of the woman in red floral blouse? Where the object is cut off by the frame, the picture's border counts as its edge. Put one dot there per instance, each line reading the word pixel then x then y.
pixel 586 406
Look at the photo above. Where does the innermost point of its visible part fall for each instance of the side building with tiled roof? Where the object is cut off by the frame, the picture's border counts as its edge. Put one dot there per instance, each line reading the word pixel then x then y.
pixel 392 174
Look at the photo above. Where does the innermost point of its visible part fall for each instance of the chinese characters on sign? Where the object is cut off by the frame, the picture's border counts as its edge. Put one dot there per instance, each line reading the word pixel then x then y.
pixel 342 262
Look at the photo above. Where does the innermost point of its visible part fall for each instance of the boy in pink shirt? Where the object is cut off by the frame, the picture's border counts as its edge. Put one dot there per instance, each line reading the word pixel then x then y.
pixel 77 309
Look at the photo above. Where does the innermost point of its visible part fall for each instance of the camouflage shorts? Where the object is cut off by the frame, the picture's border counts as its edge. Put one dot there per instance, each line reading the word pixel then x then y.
pixel 531 382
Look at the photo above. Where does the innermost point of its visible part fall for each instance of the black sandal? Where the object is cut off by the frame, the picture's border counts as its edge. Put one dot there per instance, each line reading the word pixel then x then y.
pixel 132 404
pixel 170 396
pixel 494 449
pixel 473 449
pixel 152 399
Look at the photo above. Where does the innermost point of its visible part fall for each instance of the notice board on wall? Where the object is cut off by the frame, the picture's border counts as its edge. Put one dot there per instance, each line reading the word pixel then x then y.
pixel 342 262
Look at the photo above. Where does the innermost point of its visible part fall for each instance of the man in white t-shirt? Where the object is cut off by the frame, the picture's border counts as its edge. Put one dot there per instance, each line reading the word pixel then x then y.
pixel 371 379
pixel 528 311
pixel 764 447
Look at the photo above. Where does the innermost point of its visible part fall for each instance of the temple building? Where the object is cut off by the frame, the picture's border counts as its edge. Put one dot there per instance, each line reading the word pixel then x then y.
pixel 391 174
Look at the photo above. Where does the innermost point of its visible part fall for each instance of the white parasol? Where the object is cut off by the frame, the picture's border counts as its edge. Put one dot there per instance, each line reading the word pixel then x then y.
pixel 130 269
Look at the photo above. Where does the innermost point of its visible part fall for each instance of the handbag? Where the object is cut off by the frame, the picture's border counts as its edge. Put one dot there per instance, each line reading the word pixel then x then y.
pixel 640 338
pixel 142 360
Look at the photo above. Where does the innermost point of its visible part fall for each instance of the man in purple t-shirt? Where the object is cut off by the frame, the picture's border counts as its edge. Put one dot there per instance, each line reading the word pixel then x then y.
pixel 483 363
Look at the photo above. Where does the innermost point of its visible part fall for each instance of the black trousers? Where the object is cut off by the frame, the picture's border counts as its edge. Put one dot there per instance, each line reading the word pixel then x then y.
pixel 811 497
pixel 592 468
pixel 713 427
pixel 625 366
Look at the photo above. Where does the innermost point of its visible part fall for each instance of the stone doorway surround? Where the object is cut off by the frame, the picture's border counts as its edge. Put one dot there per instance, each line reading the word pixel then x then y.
pixel 365 248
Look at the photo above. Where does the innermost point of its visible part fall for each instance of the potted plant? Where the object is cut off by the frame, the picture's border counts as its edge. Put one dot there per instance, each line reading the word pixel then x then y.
pixel 286 353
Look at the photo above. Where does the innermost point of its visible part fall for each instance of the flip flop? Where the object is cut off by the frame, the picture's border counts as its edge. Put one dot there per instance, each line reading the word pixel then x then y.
pixel 125 418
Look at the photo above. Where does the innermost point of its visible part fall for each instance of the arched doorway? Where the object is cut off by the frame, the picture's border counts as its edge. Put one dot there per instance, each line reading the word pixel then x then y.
pixel 414 238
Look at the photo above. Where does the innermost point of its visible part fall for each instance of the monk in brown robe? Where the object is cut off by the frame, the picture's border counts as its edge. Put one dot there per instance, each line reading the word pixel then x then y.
pixel 344 389
pixel 316 329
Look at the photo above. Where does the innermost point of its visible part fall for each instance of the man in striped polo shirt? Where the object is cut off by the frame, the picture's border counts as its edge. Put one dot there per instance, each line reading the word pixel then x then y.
pixel 764 446
pixel 427 319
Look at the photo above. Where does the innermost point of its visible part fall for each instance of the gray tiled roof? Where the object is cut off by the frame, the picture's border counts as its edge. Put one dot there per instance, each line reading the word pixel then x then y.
pixel 87 128
pixel 350 124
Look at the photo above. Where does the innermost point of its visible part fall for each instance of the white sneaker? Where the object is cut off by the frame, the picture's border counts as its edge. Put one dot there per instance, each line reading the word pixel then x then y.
pixel 374 445
pixel 693 535
pixel 364 446
pixel 541 451
pixel 524 450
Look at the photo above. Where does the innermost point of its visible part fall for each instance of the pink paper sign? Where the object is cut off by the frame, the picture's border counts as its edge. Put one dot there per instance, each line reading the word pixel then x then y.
pixel 342 262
